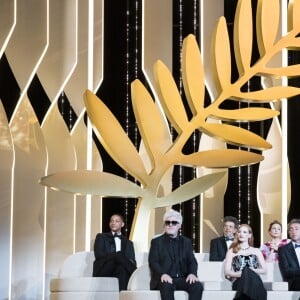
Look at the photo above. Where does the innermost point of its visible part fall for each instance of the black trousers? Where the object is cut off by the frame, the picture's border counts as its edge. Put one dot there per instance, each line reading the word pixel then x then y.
pixel 167 290
pixel 118 266
pixel 294 284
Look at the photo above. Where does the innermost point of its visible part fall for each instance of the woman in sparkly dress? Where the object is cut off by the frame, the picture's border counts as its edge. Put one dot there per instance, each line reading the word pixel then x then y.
pixel 243 265
pixel 270 248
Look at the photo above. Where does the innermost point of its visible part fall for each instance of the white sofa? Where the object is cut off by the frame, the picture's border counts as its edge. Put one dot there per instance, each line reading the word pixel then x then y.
pixel 75 281
pixel 211 274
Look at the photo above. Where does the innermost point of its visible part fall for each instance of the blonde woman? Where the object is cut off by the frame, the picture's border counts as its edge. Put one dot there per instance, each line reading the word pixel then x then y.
pixel 243 265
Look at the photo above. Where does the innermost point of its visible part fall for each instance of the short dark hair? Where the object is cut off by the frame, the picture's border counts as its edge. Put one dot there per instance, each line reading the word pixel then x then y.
pixel 231 219
pixel 293 221
pixel 119 215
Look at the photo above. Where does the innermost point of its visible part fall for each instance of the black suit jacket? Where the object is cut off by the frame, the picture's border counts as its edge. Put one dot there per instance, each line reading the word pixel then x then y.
pixel 105 250
pixel 218 249
pixel 161 260
pixel 288 262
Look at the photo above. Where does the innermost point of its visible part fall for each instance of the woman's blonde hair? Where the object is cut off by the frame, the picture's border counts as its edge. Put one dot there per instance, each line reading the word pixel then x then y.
pixel 235 246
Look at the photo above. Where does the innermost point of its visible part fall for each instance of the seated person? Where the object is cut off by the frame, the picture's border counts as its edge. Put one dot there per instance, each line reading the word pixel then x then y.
pixel 172 262
pixel 220 245
pixel 289 257
pixel 270 248
pixel 242 265
pixel 114 253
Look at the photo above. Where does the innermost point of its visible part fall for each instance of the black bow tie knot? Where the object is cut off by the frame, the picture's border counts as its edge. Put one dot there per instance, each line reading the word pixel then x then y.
pixel 117 236
pixel 227 238
pixel 297 245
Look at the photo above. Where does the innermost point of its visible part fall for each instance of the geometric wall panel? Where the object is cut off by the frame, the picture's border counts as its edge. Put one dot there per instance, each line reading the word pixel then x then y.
pixel 6 165
pixel 29 40
pixel 59 210
pixel 50 41
pixel 28 204
pixel 7 22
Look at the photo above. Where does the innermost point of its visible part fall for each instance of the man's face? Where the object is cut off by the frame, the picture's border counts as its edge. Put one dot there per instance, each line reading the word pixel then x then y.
pixel 172 226
pixel 294 232
pixel 116 223
pixel 229 229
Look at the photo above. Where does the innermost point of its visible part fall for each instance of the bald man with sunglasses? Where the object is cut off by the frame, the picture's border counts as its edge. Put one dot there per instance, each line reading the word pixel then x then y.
pixel 172 262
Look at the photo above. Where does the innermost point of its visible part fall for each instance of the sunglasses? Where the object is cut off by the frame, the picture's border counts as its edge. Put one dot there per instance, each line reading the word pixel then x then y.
pixel 168 223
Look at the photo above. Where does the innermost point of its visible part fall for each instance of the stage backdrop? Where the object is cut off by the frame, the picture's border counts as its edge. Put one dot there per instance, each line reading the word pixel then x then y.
pixel 50 53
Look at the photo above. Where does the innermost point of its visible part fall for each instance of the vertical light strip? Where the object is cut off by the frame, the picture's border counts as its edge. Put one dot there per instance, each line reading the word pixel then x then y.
pixel 284 122
pixel 201 196
pixel 45 189
pixel 102 64
pixel 74 197
pixel 89 158
pixel 12 186
pixel 11 225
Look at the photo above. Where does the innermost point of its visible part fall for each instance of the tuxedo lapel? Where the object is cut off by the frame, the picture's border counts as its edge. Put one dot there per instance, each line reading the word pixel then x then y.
pixel 293 254
pixel 224 244
pixel 123 244
pixel 110 242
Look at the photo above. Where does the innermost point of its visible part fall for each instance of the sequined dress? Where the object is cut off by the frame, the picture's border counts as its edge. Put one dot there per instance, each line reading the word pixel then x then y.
pixel 239 262
pixel 249 285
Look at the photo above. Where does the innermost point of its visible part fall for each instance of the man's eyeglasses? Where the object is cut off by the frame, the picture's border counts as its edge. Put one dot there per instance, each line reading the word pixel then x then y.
pixel 168 223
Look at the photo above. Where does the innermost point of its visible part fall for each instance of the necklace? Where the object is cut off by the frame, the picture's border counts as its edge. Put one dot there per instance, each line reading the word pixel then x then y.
pixel 245 248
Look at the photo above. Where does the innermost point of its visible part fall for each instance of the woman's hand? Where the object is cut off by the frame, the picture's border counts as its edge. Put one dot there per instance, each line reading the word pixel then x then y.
pixel 274 247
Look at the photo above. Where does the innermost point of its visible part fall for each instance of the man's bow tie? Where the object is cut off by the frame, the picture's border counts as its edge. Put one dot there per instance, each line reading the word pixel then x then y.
pixel 117 236
pixel 297 245
pixel 227 238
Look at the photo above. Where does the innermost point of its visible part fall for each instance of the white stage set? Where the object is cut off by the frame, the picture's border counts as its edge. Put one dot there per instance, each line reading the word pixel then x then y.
pixel 61 43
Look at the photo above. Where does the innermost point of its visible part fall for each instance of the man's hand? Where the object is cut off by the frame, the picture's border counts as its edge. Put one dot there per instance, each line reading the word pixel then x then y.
pixel 192 278
pixel 166 278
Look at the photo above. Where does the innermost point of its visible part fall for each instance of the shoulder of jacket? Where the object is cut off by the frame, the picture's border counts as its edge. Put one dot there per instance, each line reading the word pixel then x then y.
pixel 219 238
pixel 285 247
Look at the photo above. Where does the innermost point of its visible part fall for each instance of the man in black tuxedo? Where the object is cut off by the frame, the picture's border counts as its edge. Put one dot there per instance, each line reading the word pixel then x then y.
pixel 220 245
pixel 289 257
pixel 172 262
pixel 114 253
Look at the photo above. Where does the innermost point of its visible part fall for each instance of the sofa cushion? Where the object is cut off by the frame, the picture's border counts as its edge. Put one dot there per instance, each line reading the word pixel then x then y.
pixel 85 296
pixel 140 279
pixel 79 264
pixel 217 285
pixel 211 271
pixel 179 295
pixel 84 284
pixel 150 295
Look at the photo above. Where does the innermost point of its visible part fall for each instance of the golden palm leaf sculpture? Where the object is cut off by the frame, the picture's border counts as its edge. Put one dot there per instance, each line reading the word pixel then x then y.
pixel 164 154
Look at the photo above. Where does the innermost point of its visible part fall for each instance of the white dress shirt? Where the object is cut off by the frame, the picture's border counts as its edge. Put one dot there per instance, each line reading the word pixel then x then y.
pixel 117 242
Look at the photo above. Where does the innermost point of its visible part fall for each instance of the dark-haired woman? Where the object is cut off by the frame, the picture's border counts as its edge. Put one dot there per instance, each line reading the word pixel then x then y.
pixel 270 248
